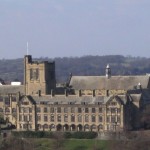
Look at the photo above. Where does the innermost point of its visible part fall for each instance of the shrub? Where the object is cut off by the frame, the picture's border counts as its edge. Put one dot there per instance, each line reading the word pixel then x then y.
pixel 33 134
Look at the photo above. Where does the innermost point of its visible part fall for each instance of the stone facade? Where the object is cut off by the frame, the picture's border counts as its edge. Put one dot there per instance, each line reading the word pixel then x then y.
pixel 39 77
pixel 88 103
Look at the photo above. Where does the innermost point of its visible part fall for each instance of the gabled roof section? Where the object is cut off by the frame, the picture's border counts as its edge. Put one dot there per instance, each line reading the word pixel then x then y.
pixel 28 98
pixel 114 82
pixel 121 100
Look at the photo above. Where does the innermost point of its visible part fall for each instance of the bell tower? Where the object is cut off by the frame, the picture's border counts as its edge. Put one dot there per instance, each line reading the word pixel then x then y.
pixel 39 77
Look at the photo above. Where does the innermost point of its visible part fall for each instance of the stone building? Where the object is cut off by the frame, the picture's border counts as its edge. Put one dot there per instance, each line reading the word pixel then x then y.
pixel 88 103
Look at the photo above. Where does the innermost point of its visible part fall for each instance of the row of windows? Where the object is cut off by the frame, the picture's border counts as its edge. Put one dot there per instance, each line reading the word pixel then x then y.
pixel 7 110
pixel 109 119
pixel 72 118
pixel 6 99
pixel 25 126
pixel 114 110
pixel 25 110
pixel 25 118
pixel 113 119
pixel 66 110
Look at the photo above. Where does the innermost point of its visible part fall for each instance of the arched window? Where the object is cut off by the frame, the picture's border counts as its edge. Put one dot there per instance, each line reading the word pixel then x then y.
pixel 52 118
pixel 100 127
pixel 93 118
pixel 65 118
pixel 58 118
pixel 45 126
pixel 72 118
pixel 79 118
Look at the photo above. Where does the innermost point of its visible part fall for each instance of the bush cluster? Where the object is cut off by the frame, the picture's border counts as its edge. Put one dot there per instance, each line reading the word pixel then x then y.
pixel 80 135
pixel 33 134
pixel 47 134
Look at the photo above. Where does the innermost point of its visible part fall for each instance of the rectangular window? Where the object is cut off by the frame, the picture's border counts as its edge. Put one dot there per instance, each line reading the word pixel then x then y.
pixel 31 74
pixel 113 110
pixel 93 110
pixel 52 110
pixel 7 101
pixel 25 103
pixel 72 110
pixel 65 118
pixel 72 118
pixel 113 103
pixel 38 109
pixel 25 118
pixel 108 119
pixel 100 119
pixel 45 118
pixel 45 110
pixel 113 119
pixel 65 110
pixel 86 110
pixel 52 118
pixel 25 126
pixel 100 110
pixel 59 118
pixel 79 110
pixel 26 110
pixel 93 118
pixel 13 98
pixel 37 74
pixel 59 110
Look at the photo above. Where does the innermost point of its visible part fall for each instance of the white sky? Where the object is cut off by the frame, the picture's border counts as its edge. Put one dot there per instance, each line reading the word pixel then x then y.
pixel 59 28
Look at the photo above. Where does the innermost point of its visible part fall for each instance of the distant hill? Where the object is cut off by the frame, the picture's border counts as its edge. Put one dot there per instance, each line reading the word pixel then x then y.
pixel 13 70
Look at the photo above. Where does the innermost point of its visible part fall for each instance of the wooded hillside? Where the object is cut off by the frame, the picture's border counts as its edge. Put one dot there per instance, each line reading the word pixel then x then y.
pixel 12 70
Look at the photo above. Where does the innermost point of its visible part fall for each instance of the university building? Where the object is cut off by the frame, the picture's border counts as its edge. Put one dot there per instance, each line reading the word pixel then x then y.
pixel 86 103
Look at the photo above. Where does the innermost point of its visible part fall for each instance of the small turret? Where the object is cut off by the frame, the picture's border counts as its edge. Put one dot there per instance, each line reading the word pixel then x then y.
pixel 108 71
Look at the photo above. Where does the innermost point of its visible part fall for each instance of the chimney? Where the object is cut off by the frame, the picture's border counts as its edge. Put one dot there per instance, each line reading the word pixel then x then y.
pixel 52 93
pixel 93 93
pixel 39 92
pixel 66 93
pixel 80 93
pixel 108 72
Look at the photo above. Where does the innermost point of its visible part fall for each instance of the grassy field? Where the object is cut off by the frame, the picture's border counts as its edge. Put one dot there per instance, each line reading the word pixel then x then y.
pixel 48 144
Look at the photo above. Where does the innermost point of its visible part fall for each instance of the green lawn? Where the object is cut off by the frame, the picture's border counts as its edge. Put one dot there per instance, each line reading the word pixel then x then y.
pixel 73 144
pixel 85 144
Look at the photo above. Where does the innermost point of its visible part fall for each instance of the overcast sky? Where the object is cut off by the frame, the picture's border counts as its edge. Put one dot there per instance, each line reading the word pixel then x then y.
pixel 62 28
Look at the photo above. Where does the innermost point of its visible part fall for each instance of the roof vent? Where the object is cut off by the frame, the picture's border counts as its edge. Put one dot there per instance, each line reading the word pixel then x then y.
pixel 108 71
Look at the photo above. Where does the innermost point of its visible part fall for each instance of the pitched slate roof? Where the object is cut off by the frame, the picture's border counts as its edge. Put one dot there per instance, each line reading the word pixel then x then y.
pixel 74 99
pixel 10 89
pixel 114 82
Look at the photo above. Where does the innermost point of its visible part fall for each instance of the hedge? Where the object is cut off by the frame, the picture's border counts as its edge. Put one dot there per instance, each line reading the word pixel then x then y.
pixel 48 134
